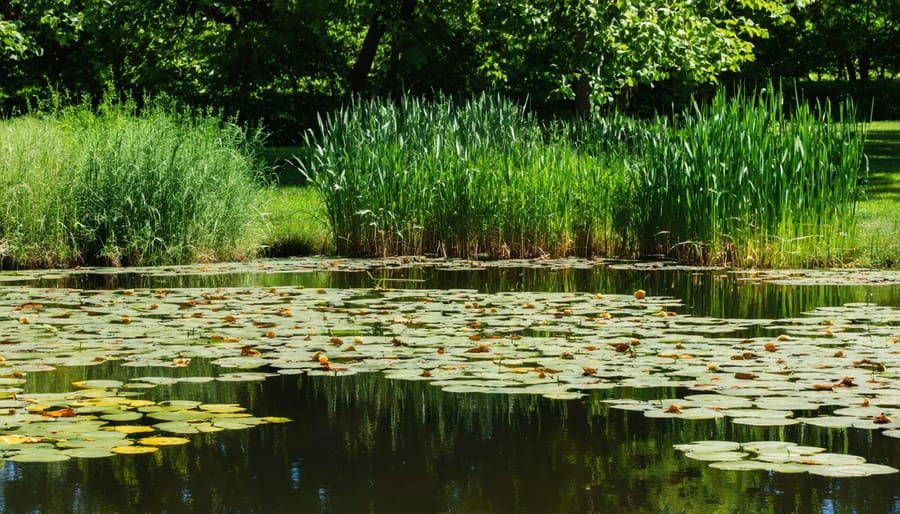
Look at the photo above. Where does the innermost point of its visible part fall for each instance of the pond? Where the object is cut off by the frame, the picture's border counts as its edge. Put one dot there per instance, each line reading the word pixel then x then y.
pixel 448 386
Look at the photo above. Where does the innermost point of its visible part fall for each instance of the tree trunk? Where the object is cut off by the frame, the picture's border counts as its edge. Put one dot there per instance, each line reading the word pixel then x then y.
pixel 583 82
pixel 865 64
pixel 850 66
pixel 359 75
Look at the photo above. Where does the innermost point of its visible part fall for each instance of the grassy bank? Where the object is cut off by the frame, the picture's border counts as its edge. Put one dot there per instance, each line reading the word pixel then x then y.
pixel 736 182
pixel 879 212
pixel 296 222
pixel 116 186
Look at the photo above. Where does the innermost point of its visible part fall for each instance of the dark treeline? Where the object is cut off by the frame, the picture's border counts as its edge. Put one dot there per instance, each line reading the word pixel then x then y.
pixel 280 62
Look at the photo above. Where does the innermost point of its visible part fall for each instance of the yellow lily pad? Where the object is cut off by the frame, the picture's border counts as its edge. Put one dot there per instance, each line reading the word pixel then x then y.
pixel 133 450
pixel 131 429
pixel 163 441
pixel 275 419
pixel 19 439
pixel 222 408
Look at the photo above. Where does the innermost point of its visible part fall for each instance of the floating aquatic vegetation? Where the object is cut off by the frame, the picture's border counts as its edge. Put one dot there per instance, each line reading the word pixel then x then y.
pixel 318 264
pixel 559 345
pixel 99 422
pixel 781 457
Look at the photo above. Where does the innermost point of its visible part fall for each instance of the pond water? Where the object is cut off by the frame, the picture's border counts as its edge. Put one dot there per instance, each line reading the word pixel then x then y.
pixel 384 442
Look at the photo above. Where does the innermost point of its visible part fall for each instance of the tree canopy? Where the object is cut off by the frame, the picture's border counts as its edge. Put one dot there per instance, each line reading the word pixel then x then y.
pixel 281 61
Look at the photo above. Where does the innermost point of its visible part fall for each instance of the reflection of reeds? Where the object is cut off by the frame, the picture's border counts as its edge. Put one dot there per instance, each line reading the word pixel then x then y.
pixel 738 181
pixel 120 186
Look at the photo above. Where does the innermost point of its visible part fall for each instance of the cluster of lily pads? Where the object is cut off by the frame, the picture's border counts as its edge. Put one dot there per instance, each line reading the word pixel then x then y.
pixel 100 420
pixel 782 457
pixel 560 345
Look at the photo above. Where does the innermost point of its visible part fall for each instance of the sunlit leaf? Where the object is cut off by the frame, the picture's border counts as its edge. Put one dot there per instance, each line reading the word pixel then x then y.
pixel 133 449
pixel 163 441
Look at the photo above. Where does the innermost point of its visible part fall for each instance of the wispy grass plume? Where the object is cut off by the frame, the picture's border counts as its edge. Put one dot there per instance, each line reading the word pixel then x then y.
pixel 120 186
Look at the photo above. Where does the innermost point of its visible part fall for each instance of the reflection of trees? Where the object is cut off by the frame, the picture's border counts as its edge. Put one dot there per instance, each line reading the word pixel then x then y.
pixel 703 293
pixel 367 443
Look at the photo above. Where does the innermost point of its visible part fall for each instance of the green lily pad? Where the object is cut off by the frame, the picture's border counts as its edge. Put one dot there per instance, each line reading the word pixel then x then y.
pixel 721 456
pixel 852 470
pixel 754 465
pixel 177 427
pixel 88 453
pixel 123 416
pixel 38 455
pixel 98 384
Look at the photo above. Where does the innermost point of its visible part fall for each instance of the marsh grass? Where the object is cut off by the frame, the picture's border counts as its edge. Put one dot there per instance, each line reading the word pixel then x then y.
pixel 744 181
pixel 481 178
pixel 117 185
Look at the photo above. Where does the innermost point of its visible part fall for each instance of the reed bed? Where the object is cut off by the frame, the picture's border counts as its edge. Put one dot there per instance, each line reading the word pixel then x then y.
pixel 117 186
pixel 743 181
pixel 739 181
pixel 481 178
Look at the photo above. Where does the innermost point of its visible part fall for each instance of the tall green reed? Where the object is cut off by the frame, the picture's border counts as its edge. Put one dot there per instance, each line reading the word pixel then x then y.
pixel 743 181
pixel 738 181
pixel 479 177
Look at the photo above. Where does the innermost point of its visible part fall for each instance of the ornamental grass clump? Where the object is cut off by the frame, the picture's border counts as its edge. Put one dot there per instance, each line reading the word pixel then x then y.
pixel 116 185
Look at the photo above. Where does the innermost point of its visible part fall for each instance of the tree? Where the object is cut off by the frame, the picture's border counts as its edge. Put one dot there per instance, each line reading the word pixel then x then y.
pixel 282 60
pixel 615 46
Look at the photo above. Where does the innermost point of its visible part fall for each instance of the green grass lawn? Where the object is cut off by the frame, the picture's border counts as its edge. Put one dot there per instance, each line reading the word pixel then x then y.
pixel 297 223
pixel 879 213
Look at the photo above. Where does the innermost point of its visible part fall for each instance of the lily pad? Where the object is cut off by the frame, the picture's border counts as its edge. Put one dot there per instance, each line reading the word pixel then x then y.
pixel 163 441
pixel 852 470
pixel 98 384
pixel 39 455
pixel 89 453
pixel 133 449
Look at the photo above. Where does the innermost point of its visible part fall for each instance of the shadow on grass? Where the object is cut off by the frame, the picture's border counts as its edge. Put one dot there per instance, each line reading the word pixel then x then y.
pixel 883 149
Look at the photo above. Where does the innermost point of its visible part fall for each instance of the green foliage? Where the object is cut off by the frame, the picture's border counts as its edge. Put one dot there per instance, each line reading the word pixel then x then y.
pixel 739 182
pixel 278 63
pixel 122 187
pixel 833 39
pixel 454 180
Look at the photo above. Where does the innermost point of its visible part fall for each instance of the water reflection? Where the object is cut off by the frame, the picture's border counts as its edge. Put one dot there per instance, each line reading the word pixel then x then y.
pixel 364 443
pixel 714 293
pixel 369 444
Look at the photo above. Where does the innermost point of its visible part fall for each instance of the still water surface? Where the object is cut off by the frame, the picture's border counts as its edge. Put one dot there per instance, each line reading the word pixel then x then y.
pixel 364 443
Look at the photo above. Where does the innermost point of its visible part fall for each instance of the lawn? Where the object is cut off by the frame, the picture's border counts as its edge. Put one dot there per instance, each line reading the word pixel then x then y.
pixel 879 213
